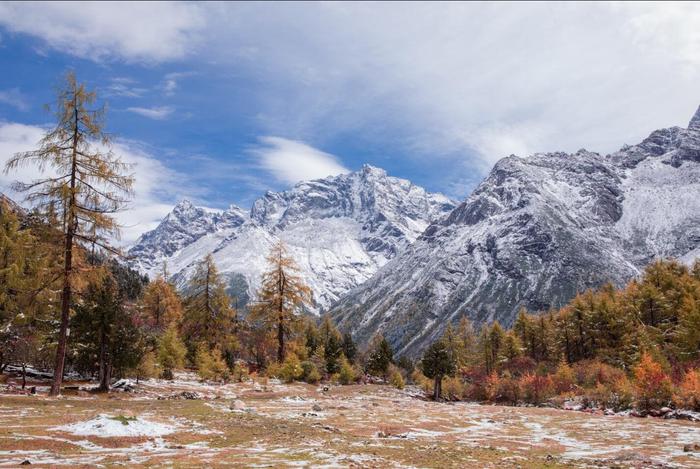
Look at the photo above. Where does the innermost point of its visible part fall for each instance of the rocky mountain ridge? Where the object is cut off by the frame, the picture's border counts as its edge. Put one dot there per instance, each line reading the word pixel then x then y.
pixel 535 232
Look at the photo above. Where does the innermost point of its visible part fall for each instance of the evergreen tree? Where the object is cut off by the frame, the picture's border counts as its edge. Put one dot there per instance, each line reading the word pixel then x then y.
pixel 89 186
pixel 511 347
pixel 332 345
pixel 104 331
pixel 312 339
pixel 438 362
pixel 333 351
pixel 380 357
pixel 349 347
pixel 282 296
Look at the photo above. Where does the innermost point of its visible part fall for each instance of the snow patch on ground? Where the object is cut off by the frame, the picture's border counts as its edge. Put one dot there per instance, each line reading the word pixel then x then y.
pixel 107 426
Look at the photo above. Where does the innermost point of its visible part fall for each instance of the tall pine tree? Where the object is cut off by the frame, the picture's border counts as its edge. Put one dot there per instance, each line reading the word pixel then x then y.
pixel 282 296
pixel 86 184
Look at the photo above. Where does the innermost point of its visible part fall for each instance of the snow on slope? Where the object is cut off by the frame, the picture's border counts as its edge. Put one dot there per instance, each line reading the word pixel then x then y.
pixel 340 230
pixel 535 232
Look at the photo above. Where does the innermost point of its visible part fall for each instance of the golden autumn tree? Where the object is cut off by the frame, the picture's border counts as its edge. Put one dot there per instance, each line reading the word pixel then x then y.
pixel 282 296
pixel 209 317
pixel 84 182
pixel 161 305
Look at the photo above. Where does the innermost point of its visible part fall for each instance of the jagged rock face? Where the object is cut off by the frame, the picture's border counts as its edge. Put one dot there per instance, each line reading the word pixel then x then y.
pixel 340 230
pixel 180 228
pixel 535 232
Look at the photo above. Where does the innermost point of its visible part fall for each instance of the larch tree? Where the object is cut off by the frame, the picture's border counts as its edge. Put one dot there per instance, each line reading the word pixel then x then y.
pixel 161 305
pixel 209 316
pixel 282 296
pixel 85 183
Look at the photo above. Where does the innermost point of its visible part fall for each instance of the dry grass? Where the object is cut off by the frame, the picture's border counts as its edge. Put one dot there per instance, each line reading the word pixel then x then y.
pixel 357 426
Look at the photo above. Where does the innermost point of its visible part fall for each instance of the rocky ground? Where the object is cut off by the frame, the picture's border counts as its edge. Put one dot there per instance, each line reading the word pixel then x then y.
pixel 268 424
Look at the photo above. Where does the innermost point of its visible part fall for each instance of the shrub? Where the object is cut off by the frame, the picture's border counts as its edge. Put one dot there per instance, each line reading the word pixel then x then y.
pixel 291 369
pixel 240 372
pixel 564 379
pixel 310 373
pixel 171 352
pixel 519 366
pixel 211 365
pixel 509 389
pixel 688 394
pixel 396 378
pixel 492 385
pixel 652 385
pixel 618 395
pixel 591 372
pixel 536 388
pixel 147 367
pixel 453 388
pixel 347 373
pixel 422 381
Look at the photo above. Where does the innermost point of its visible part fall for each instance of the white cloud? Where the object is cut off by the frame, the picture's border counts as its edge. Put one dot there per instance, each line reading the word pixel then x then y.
pixel 291 161
pixel 14 98
pixel 171 81
pixel 135 31
pixel 446 78
pixel 156 113
pixel 156 186
pixel 124 87
pixel 470 81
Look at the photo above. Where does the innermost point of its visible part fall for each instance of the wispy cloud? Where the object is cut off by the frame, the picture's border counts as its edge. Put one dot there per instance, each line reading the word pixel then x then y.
pixel 124 87
pixel 171 81
pixel 135 32
pixel 291 161
pixel 14 98
pixel 156 186
pixel 156 113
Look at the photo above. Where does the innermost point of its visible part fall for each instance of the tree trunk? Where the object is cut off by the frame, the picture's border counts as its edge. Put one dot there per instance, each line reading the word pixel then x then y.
pixel 280 341
pixel 65 311
pixel 437 388
pixel 104 364
pixel 67 268
pixel 24 376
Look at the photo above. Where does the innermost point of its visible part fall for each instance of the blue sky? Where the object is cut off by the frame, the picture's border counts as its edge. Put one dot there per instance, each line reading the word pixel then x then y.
pixel 219 102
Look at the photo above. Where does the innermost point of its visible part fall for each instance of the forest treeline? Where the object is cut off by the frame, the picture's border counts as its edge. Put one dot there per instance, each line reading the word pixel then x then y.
pixel 638 346
pixel 69 304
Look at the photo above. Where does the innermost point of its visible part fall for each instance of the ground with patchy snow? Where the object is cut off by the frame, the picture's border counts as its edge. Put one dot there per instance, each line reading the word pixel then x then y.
pixel 270 424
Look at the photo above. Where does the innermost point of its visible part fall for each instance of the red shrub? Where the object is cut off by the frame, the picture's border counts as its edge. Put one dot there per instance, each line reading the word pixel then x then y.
pixel 652 385
pixel 688 394
pixel 536 388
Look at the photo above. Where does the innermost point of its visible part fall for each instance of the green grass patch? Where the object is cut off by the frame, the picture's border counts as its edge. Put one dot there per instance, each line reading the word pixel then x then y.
pixel 124 420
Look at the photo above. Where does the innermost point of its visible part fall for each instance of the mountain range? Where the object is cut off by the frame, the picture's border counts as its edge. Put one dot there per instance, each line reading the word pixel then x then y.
pixel 340 230
pixel 535 232
pixel 383 255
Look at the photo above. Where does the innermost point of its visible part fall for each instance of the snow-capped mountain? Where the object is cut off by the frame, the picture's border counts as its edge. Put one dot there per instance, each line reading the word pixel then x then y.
pixel 535 232
pixel 340 230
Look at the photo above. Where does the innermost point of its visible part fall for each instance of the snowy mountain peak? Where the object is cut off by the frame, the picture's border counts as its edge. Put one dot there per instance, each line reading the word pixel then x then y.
pixel 534 233
pixel 368 169
pixel 340 229
pixel 695 121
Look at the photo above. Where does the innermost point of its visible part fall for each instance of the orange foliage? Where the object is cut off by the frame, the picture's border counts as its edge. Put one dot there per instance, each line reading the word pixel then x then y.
pixel 536 388
pixel 688 394
pixel 652 385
